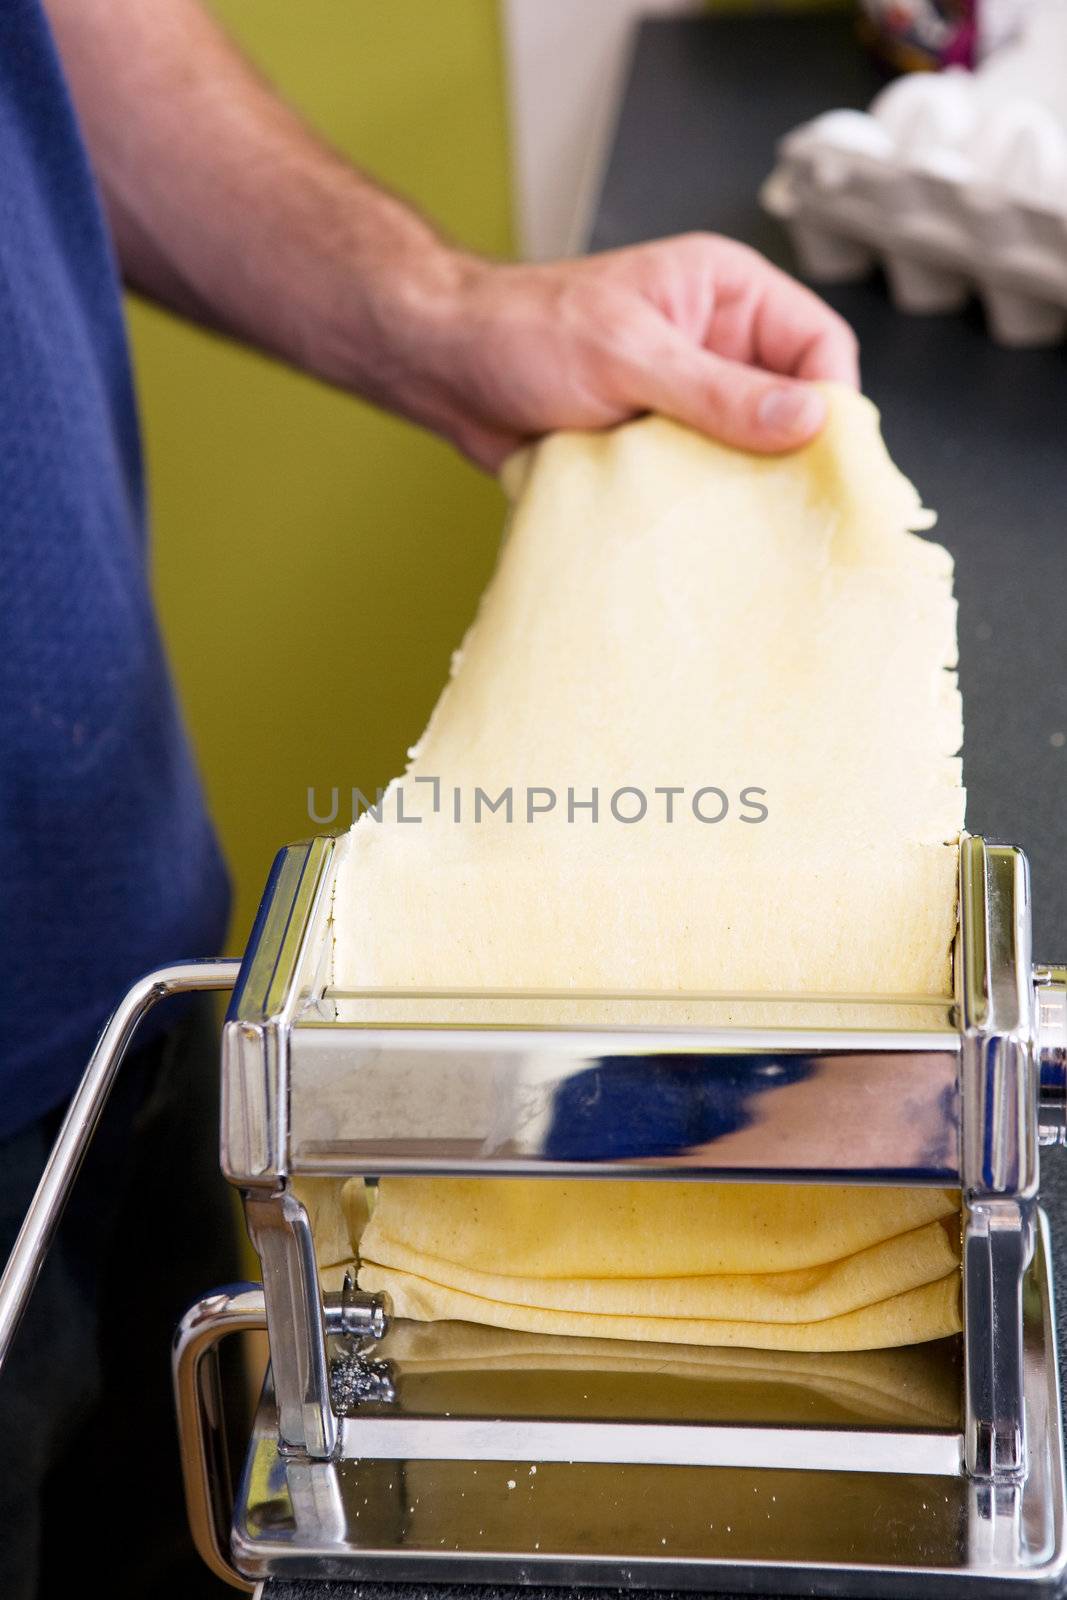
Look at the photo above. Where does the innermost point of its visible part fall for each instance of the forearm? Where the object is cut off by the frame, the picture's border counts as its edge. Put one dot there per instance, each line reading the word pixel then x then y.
pixel 227 208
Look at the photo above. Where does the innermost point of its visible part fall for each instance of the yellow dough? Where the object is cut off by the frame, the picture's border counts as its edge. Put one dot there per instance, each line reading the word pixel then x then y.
pixel 906 1317
pixel 773 1266
pixel 337 1211
pixel 754 634
pixel 668 612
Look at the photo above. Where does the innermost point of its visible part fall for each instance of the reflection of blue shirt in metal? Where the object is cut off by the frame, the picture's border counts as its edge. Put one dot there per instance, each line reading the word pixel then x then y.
pixel 630 1108
pixel 108 864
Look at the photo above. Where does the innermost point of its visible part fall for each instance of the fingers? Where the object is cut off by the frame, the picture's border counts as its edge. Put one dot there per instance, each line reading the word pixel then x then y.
pixel 730 400
pixel 733 301
pixel 832 356
pixel 795 332
pixel 781 325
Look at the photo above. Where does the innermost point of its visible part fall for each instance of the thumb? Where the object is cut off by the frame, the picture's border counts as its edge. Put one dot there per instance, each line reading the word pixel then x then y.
pixel 741 405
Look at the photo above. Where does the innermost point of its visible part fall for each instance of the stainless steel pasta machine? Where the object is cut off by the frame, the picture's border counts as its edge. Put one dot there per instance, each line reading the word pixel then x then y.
pixel 431 1452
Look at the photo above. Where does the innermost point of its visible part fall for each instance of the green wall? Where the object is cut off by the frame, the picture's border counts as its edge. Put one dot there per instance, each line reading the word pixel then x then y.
pixel 316 562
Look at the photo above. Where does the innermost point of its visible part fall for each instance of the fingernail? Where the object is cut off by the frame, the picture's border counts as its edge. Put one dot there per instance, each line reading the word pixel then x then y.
pixel 795 412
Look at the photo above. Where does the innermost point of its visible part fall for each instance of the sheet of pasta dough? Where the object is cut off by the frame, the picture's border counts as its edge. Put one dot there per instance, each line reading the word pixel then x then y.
pixel 669 613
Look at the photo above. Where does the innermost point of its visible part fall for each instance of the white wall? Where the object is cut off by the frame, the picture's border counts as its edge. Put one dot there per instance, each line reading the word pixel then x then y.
pixel 566 66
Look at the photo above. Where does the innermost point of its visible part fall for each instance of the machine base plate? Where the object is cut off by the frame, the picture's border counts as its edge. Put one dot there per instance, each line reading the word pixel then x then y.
pixel 635 1524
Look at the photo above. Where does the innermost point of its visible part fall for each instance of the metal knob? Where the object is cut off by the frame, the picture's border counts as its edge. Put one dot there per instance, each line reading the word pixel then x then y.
pixel 354 1315
pixel 1050 994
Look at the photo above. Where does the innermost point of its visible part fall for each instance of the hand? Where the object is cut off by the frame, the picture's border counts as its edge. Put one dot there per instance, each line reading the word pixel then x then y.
pixel 699 327
pixel 228 209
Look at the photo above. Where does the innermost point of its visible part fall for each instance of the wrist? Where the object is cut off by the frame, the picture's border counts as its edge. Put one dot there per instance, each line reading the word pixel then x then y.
pixel 401 313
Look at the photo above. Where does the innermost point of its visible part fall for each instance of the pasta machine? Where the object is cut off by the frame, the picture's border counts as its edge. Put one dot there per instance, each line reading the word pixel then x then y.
pixel 432 1452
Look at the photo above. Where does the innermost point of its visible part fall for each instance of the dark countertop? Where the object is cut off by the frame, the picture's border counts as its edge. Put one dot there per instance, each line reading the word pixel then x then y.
pixel 981 430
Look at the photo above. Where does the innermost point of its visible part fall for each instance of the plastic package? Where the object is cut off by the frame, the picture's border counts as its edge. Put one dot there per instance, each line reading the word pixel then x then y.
pixel 920 34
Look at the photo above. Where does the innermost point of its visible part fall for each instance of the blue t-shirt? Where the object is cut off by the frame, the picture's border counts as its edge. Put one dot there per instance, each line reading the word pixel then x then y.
pixel 108 863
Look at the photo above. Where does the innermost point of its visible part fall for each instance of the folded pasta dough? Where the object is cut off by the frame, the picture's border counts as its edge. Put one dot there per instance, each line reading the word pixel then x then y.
pixel 907 1317
pixel 676 630
pixel 672 1262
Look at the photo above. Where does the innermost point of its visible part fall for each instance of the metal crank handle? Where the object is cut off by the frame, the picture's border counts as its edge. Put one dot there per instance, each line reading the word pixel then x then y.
pixel 238 1308
pixel 79 1125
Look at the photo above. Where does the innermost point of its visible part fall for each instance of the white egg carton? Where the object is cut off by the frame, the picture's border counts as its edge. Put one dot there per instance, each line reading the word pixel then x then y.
pixel 956 182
